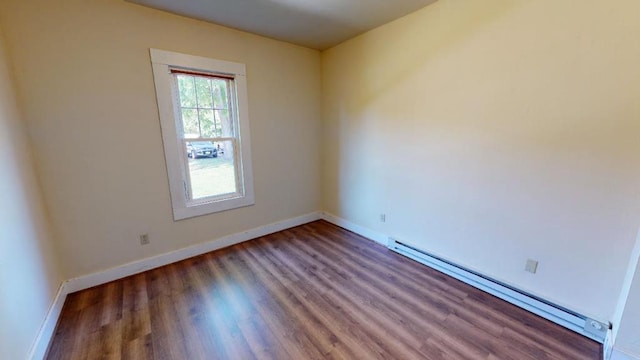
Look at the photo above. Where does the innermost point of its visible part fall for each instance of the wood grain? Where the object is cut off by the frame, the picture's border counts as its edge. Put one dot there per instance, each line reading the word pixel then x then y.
pixel 311 292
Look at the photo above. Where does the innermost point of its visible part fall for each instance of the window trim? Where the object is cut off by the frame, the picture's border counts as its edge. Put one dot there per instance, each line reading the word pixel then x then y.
pixel 162 62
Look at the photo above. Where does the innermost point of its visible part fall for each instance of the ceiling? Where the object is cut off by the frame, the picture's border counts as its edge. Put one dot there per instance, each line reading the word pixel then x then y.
pixel 318 24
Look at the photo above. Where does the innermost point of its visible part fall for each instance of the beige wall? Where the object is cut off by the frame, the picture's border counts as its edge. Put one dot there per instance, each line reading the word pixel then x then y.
pixel 488 132
pixel 84 74
pixel 29 274
pixel 494 131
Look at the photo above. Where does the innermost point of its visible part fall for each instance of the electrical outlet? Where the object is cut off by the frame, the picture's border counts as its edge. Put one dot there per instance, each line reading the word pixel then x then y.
pixel 144 239
pixel 383 217
pixel 532 266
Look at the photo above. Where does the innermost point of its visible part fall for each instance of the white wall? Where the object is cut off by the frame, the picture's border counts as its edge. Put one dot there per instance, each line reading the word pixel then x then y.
pixel 493 131
pixel 29 275
pixel 84 73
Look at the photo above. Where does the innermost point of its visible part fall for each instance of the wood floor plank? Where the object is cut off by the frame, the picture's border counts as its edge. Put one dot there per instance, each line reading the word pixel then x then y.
pixel 138 349
pixel 311 292
pixel 318 339
pixel 263 344
pixel 347 330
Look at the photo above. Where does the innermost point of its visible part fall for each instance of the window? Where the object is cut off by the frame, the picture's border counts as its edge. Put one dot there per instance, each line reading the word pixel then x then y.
pixel 202 104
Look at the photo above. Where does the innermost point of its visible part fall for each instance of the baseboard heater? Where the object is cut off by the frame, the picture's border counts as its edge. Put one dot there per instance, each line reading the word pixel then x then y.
pixel 581 324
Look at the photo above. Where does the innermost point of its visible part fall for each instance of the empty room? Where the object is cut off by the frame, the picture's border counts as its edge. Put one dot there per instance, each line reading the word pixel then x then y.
pixel 297 179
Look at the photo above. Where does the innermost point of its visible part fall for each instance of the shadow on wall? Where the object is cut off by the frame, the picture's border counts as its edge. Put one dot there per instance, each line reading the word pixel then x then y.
pixel 29 273
pixel 372 74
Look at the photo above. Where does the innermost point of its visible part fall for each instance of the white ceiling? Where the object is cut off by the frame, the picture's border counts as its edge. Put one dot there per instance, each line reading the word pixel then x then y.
pixel 318 24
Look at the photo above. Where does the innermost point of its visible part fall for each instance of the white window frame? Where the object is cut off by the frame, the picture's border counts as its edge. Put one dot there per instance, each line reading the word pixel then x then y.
pixel 177 164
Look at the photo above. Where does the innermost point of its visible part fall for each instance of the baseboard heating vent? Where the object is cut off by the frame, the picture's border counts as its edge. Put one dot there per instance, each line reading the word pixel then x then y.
pixel 581 324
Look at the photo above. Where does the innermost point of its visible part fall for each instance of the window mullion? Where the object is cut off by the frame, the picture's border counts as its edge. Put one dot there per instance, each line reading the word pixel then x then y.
pixel 218 139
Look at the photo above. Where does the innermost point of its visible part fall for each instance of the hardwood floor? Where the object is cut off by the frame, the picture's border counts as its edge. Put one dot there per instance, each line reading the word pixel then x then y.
pixel 312 292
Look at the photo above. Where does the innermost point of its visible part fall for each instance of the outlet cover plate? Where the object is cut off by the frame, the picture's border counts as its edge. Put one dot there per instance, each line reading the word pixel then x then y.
pixel 531 266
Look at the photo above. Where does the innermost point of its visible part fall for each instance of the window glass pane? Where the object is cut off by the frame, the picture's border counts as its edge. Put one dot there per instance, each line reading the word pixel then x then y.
pixel 224 122
pixel 190 123
pixel 212 169
pixel 203 90
pixel 220 93
pixel 202 105
pixel 207 125
pixel 187 91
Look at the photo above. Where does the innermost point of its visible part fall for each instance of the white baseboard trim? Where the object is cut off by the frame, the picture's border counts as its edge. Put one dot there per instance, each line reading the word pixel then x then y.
pixel 135 267
pixel 561 316
pixel 41 344
pixel 360 230
pixel 607 345
pixel 567 318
